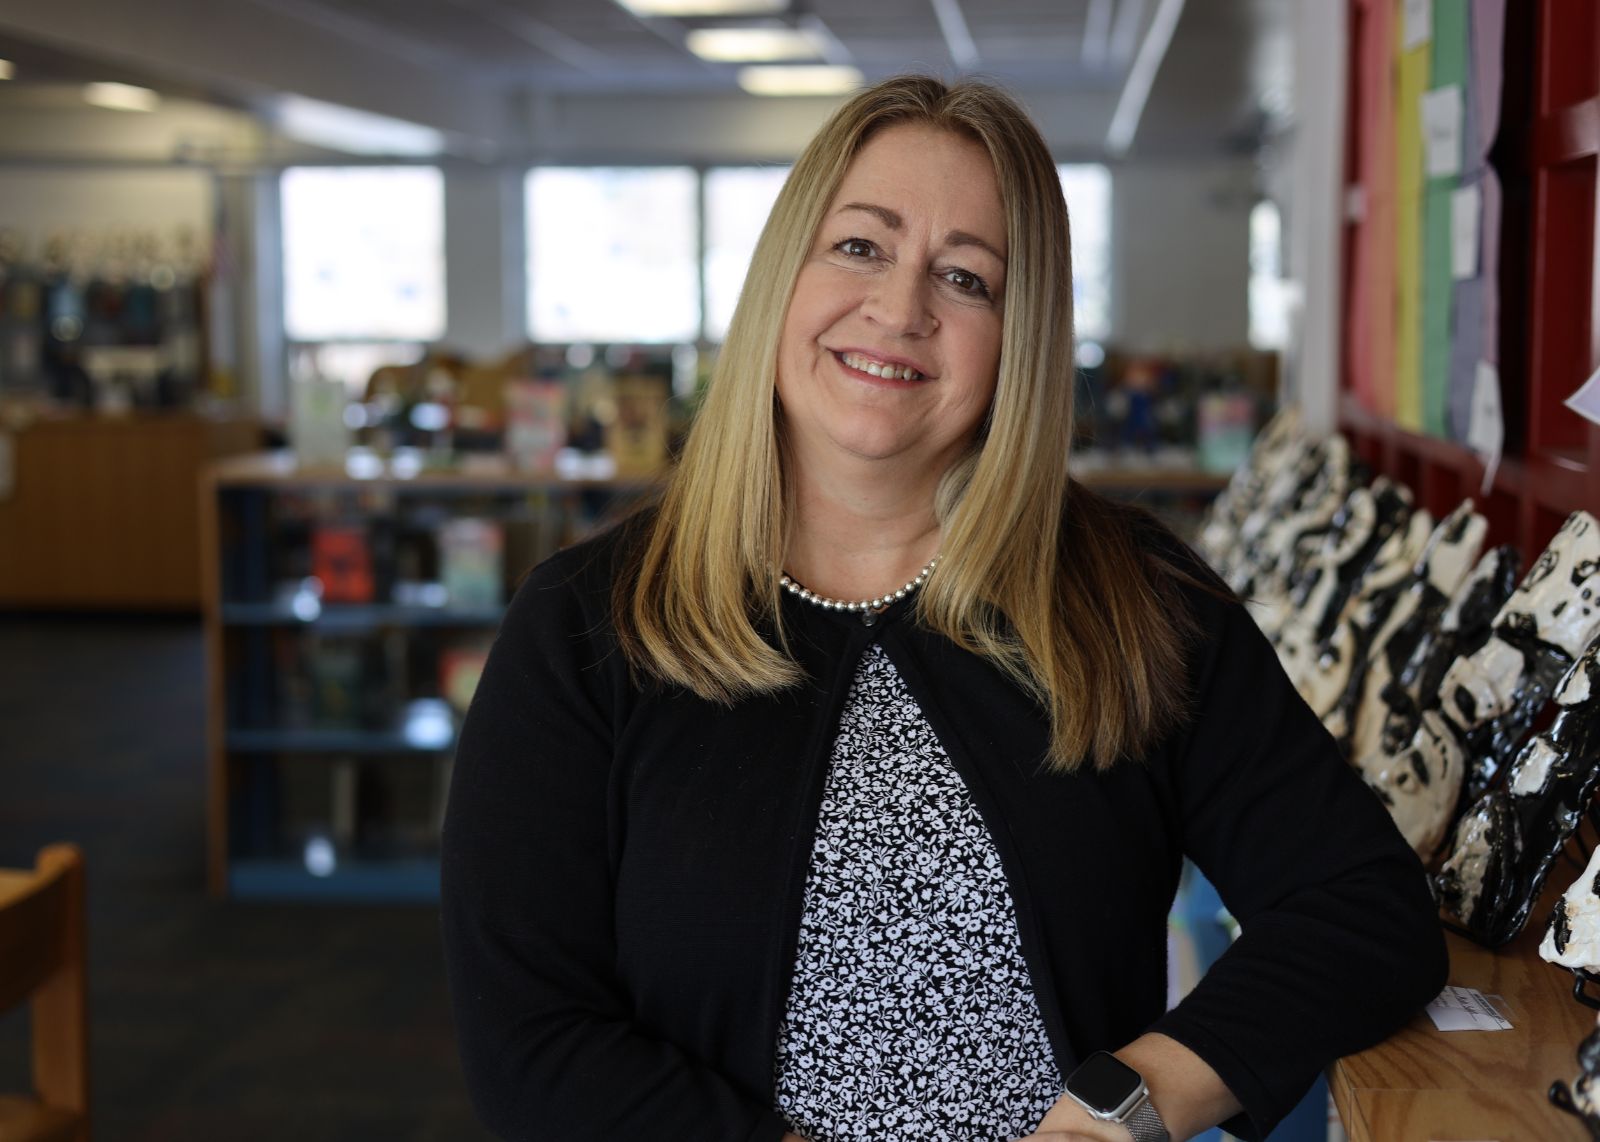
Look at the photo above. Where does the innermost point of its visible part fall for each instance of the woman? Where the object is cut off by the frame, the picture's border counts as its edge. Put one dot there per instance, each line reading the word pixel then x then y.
pixel 844 794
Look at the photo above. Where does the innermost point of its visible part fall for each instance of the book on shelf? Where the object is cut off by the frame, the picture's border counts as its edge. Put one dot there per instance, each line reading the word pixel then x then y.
pixel 637 437
pixel 341 559
pixel 460 667
pixel 471 563
pixel 536 423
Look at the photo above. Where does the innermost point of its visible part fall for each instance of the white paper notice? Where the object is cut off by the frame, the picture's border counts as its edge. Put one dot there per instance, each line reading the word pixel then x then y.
pixel 1586 401
pixel 1466 221
pixel 1466 1009
pixel 1486 430
pixel 1419 22
pixel 1441 130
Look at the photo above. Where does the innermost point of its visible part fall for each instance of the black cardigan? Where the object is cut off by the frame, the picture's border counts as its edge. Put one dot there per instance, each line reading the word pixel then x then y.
pixel 623 869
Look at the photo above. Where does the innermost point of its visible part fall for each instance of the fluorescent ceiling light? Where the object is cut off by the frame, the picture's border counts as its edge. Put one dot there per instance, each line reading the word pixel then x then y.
pixel 705 7
pixel 7 69
pixel 121 97
pixel 1141 76
pixel 819 79
pixel 355 132
pixel 754 45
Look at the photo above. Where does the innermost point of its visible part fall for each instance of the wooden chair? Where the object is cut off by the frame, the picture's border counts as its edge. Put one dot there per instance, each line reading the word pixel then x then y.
pixel 42 958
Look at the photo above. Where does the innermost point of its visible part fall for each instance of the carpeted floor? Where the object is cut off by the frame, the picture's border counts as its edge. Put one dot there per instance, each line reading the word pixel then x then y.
pixel 209 1020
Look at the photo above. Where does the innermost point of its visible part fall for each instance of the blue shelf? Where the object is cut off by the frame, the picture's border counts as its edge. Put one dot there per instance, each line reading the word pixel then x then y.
pixel 415 880
pixel 351 617
pixel 331 741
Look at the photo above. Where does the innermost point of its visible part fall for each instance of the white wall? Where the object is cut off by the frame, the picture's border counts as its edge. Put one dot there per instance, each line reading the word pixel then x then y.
pixel 1180 255
pixel 1311 166
pixel 485 275
pixel 39 201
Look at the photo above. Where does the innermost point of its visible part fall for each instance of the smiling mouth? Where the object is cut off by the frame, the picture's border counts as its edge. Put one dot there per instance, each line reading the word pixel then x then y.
pixel 877 368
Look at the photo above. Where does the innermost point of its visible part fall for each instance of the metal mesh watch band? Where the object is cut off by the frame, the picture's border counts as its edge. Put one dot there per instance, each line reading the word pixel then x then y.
pixel 1145 1124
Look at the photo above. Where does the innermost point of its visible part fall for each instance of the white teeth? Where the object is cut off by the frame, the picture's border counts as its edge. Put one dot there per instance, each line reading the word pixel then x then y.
pixel 880 369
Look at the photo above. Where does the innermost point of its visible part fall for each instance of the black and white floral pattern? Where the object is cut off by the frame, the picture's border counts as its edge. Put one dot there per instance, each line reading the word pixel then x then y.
pixel 911 1013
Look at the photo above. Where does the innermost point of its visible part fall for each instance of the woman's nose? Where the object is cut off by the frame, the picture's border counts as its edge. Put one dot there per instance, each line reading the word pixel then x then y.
pixel 900 300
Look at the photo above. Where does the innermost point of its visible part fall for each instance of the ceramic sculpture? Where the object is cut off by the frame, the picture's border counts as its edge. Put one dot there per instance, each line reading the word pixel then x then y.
pixel 1507 842
pixel 1417 768
pixel 1493 695
pixel 1396 606
pixel 1394 621
pixel 1582 1098
pixel 1276 536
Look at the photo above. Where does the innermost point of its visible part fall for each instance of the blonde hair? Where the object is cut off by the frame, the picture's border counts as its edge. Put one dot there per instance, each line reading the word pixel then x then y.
pixel 1036 575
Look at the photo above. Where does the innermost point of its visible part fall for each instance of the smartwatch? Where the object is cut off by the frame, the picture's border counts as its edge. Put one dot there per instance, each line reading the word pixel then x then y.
pixel 1113 1091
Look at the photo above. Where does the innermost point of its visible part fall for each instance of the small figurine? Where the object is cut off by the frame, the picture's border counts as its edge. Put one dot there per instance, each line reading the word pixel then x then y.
pixel 1414 607
pixel 1494 694
pixel 1507 843
pixel 1581 1100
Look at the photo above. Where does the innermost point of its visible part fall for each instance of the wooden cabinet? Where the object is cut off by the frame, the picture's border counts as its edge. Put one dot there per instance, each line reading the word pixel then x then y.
pixel 103 512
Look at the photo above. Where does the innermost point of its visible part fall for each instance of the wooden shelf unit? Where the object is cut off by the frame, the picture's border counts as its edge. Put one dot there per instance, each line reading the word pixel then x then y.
pixel 243 614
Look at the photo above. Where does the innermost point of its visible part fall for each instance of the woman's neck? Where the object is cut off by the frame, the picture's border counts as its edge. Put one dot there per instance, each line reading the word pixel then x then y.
pixel 860 535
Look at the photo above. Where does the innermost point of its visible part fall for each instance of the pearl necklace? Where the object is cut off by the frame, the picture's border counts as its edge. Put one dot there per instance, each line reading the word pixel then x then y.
pixel 864 607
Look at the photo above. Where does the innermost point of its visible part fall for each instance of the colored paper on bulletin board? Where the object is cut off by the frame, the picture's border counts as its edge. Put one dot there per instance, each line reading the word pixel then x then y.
pixel 1477 308
pixel 1411 80
pixel 1438 286
pixel 1380 72
pixel 1371 325
pixel 1443 109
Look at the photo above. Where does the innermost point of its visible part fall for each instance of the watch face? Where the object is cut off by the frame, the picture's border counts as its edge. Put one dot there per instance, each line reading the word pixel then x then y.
pixel 1105 1084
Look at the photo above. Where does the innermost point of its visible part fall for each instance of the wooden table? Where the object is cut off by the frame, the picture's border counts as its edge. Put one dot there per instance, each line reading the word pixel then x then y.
pixel 1422 1085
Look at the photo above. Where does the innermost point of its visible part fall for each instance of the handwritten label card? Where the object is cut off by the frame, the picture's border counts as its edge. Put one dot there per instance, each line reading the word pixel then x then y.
pixel 1486 430
pixel 1466 221
pixel 1418 23
pixel 1586 401
pixel 1466 1009
pixel 1442 115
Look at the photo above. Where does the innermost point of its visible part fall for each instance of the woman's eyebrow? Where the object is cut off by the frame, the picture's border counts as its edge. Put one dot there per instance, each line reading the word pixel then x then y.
pixel 893 221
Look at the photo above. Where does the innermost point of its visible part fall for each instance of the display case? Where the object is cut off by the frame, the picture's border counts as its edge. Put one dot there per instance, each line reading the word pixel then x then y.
pixel 347 615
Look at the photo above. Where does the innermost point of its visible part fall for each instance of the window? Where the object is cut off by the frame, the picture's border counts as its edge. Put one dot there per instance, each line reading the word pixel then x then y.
pixel 363 253
pixel 1087 188
pixel 738 200
pixel 1269 313
pixel 613 254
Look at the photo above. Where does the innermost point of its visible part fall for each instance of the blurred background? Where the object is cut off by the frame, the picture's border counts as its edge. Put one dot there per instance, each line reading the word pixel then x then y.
pixel 322 320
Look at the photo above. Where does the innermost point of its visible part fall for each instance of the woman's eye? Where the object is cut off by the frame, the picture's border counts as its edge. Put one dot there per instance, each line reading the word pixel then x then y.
pixel 855 248
pixel 968 282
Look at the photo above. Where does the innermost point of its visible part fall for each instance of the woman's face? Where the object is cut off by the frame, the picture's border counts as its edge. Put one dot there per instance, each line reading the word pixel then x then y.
pixel 891 344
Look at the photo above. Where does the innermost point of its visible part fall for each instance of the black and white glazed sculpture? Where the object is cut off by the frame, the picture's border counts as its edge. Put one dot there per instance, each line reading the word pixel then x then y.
pixel 1466 624
pixel 1493 695
pixel 1278 537
pixel 1572 940
pixel 1417 769
pixel 1582 1098
pixel 1390 619
pixel 1317 554
pixel 1328 673
pixel 1506 844
pixel 1278 446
